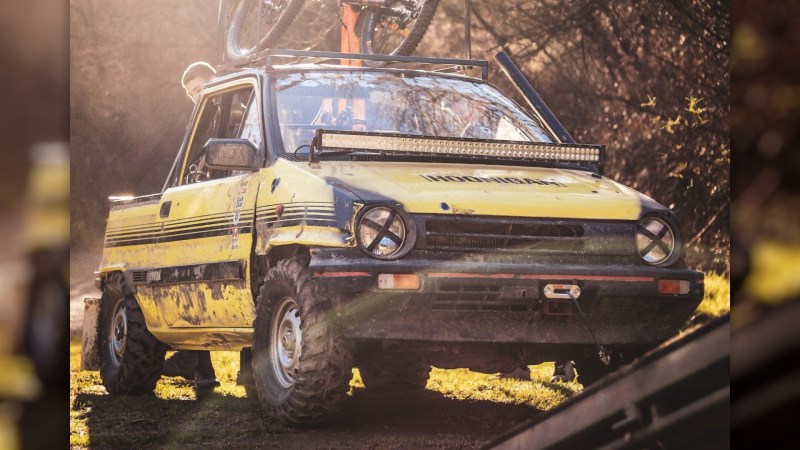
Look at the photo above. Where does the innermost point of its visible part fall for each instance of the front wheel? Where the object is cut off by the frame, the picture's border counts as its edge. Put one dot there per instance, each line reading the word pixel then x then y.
pixel 301 366
pixel 130 357
pixel 395 30
pixel 257 24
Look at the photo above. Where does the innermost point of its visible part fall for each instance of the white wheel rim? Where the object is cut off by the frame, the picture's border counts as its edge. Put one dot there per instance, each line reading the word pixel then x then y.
pixel 286 342
pixel 118 333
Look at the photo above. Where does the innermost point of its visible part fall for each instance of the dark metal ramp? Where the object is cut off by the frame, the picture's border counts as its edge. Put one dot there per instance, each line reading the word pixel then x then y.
pixel 675 397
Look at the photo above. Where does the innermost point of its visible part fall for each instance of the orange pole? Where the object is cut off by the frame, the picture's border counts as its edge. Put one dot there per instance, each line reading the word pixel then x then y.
pixel 350 44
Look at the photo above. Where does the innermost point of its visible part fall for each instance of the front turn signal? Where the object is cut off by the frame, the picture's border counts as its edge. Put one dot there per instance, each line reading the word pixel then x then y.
pixel 674 287
pixel 401 281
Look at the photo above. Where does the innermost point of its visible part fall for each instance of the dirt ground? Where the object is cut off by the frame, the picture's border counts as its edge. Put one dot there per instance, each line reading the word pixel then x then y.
pixel 426 420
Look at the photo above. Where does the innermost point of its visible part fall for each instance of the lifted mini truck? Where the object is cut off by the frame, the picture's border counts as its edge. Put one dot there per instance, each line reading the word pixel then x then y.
pixel 330 216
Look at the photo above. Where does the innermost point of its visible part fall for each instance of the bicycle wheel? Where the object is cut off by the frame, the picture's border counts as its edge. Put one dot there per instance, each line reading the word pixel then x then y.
pixel 397 29
pixel 257 24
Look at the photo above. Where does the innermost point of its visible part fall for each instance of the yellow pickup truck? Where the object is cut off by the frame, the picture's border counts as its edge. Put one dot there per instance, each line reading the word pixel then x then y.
pixel 386 218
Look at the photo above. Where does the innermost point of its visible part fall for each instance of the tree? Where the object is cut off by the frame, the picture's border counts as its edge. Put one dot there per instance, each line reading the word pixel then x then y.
pixel 647 79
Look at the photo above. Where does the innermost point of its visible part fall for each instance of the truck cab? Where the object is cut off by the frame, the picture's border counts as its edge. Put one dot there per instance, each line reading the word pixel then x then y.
pixel 388 218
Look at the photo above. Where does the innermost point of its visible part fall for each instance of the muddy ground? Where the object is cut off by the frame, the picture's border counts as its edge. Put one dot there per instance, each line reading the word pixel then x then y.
pixel 428 420
pixel 421 421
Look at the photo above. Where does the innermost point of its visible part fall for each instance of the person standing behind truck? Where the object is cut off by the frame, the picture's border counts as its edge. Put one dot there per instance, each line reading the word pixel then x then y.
pixel 195 77
pixel 194 365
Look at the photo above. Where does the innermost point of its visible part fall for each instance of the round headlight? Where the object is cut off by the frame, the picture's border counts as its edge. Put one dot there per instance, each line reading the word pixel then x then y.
pixel 656 241
pixel 382 233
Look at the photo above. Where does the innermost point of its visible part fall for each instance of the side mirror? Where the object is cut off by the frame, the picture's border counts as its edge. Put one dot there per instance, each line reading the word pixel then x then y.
pixel 231 154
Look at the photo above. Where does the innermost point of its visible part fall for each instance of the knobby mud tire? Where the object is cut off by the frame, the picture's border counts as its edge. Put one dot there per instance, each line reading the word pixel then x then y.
pixel 140 363
pixel 590 371
pixel 394 373
pixel 371 17
pixel 322 374
pixel 233 45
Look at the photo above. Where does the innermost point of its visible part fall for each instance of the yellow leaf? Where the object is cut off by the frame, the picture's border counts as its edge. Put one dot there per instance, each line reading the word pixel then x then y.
pixel 669 126
pixel 651 102
pixel 693 101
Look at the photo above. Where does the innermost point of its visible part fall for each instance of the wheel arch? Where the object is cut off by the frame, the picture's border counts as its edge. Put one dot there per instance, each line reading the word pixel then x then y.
pixel 138 368
pixel 261 263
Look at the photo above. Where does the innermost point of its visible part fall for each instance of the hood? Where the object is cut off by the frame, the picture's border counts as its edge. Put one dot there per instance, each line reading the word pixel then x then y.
pixel 427 188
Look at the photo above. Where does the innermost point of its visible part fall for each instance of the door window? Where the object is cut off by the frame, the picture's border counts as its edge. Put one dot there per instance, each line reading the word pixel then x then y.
pixel 227 115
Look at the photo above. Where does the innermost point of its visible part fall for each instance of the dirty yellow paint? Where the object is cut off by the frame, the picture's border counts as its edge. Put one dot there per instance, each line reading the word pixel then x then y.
pixel 194 308
pixel 297 184
pixel 200 222
pixel 484 190
pixel 295 202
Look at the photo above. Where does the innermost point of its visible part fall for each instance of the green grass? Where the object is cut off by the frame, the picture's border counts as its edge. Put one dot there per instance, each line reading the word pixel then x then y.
pixel 173 419
pixel 463 384
pixel 717 298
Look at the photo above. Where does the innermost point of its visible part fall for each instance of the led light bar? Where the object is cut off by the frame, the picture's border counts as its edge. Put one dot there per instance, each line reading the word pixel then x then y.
pixel 401 143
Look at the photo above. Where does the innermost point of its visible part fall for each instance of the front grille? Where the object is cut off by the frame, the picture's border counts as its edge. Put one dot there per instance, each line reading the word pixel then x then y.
pixel 478 298
pixel 492 233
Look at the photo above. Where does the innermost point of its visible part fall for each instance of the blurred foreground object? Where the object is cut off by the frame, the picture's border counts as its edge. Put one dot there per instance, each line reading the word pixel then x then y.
pixel 47 197
pixel 18 383
pixel 765 371
pixel 773 275
pixel 765 222
pixel 675 397
pixel 46 237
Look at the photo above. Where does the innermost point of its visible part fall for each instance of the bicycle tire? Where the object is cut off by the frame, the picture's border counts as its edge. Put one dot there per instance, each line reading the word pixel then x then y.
pixel 243 40
pixel 373 22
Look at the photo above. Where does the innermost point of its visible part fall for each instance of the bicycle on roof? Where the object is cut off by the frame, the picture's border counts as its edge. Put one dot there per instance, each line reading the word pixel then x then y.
pixel 391 27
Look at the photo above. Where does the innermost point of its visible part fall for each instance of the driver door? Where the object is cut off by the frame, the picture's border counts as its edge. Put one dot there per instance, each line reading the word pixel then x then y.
pixel 203 282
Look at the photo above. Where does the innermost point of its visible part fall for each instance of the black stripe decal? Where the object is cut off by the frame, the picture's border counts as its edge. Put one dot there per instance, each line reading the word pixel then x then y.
pixel 177 237
pixel 298 207
pixel 183 222
pixel 213 225
pixel 274 218
pixel 282 223
pixel 195 227
pixel 221 271
pixel 297 212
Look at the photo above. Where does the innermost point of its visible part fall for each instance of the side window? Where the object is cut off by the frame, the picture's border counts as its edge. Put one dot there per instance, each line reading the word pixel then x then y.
pixel 251 127
pixel 229 114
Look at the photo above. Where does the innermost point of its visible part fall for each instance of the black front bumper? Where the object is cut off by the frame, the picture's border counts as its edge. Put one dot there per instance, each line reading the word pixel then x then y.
pixel 503 302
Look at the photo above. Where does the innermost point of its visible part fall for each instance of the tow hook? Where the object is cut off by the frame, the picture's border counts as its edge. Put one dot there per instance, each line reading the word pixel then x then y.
pixel 558 295
pixel 602 352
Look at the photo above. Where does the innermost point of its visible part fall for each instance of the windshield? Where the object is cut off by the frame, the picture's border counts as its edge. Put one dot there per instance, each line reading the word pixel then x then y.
pixel 381 102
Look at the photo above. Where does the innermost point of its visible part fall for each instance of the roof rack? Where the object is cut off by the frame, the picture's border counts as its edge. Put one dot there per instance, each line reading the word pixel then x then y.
pixel 265 57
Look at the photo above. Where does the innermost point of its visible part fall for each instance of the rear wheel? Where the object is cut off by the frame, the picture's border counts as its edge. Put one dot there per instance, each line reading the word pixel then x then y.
pixel 257 24
pixel 130 357
pixel 301 366
pixel 591 370
pixel 395 30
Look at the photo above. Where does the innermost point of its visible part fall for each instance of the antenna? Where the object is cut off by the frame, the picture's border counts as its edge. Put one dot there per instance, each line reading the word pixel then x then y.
pixel 467 17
